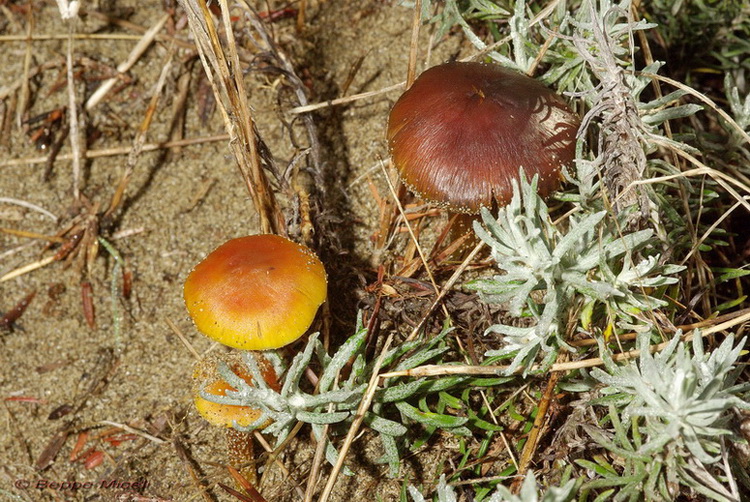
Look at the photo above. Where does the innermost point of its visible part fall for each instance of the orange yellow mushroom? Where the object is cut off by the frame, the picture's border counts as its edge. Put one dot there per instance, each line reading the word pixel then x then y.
pixel 257 292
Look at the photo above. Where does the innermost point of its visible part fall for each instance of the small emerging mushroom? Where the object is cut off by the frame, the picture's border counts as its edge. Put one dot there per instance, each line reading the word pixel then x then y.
pixel 228 415
pixel 257 292
pixel 461 133
pixel 240 447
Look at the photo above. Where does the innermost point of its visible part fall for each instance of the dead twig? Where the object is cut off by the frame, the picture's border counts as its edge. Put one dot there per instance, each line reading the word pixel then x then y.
pixel 23 100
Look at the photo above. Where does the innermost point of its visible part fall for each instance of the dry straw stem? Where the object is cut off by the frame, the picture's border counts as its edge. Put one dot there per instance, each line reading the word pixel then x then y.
pixel 364 405
pixel 23 99
pixel 431 370
pixel 225 74
pixel 75 135
pixel 629 337
pixel 74 36
pixel 190 466
pixel 710 230
pixel 411 232
pixel 317 463
pixel 133 430
pixel 143 44
pixel 416 22
pixel 29 205
pixel 120 150
pixel 535 434
pixel 273 457
pixel 8 90
pixel 701 97
pixel 189 346
pixel 724 180
pixel 32 235
pixel 446 288
pixel 27 268
pixel 162 37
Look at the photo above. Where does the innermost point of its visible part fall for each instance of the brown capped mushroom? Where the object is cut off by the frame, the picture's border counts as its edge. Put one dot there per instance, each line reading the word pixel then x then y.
pixel 462 131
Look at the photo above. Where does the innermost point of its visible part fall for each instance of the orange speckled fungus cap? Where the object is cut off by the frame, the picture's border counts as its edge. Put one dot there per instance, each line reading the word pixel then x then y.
pixel 257 292
pixel 228 415
pixel 225 415
pixel 462 131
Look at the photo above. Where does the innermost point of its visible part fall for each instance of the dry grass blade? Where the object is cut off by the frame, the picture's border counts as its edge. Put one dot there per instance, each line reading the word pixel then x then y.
pixel 364 405
pixel 189 346
pixel 317 463
pixel 414 43
pixel 75 139
pixel 347 99
pixel 431 370
pixel 535 434
pixel 29 205
pixel 225 75
pixel 446 288
pixel 240 496
pixel 135 431
pixel 32 235
pixel 27 268
pixel 254 495
pixel 702 97
pixel 722 179
pixel 190 465
pixel 112 152
pixel 400 209
pixel 23 100
pixel 135 54
pixel 75 36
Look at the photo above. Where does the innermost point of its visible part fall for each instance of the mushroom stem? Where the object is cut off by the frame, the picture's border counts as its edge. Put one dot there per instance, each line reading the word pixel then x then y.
pixel 241 453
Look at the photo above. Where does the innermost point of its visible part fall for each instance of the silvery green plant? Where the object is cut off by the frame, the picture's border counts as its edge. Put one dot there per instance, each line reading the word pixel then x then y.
pixel 336 400
pixel 443 493
pixel 675 406
pixel 529 492
pixel 291 404
pixel 588 262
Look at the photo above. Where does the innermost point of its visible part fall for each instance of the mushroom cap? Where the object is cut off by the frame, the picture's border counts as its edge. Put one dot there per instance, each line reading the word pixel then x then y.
pixel 461 133
pixel 257 292
pixel 227 415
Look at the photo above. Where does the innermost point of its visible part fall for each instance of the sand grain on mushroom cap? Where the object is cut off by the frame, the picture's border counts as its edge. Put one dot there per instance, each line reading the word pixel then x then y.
pixel 460 133
pixel 256 292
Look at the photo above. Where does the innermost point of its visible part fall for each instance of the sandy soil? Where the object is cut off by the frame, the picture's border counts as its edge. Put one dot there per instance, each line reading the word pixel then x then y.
pixel 58 376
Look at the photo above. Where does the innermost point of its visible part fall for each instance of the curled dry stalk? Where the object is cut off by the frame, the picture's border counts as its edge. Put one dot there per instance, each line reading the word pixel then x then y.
pixel 224 72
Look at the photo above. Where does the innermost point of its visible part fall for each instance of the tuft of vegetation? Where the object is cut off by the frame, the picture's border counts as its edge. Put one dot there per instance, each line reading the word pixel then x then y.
pixel 669 413
pixel 588 265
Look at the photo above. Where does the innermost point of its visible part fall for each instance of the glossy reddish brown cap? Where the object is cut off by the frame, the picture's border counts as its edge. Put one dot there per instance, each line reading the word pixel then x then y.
pixel 462 131
pixel 257 292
